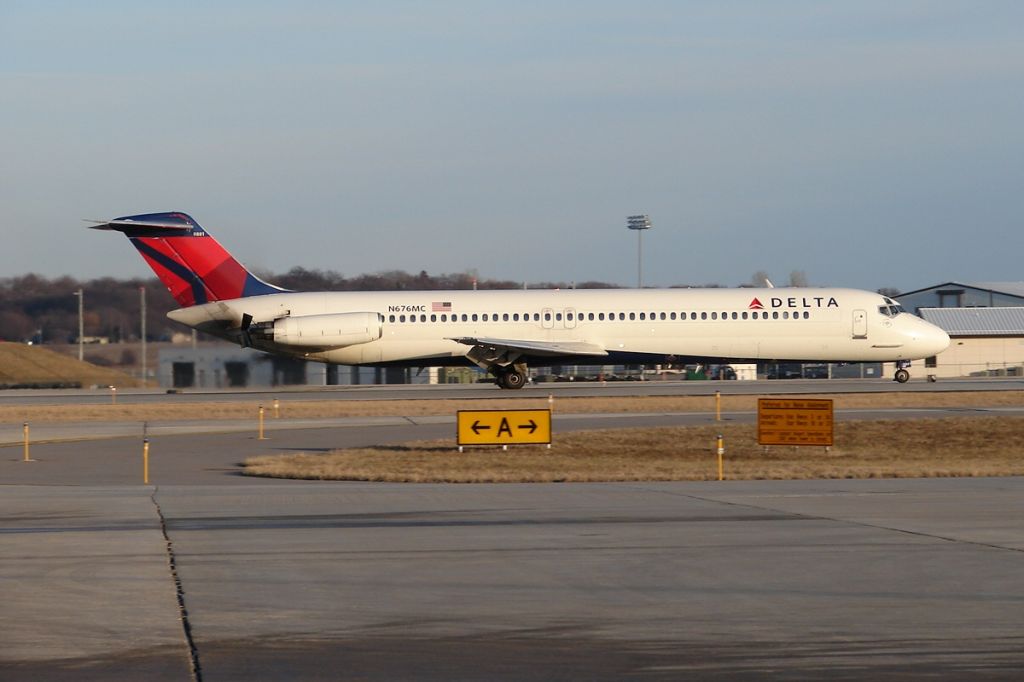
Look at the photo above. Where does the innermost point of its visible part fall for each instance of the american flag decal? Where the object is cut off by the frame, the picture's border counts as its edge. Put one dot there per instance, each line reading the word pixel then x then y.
pixel 441 307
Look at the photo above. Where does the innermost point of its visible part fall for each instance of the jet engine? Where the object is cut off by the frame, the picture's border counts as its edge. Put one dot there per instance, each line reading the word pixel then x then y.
pixel 321 331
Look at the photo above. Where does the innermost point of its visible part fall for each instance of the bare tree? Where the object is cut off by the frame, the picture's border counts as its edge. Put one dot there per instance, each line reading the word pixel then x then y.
pixel 759 279
pixel 798 278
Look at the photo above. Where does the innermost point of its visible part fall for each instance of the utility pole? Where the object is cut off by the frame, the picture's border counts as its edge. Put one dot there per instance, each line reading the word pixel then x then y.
pixel 142 300
pixel 639 223
pixel 81 324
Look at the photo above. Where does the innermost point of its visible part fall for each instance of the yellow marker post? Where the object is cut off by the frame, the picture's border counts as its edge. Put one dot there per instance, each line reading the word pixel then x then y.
pixel 25 431
pixel 145 461
pixel 277 408
pixel 551 402
pixel 718 406
pixel 261 436
pixel 113 395
pixel 721 452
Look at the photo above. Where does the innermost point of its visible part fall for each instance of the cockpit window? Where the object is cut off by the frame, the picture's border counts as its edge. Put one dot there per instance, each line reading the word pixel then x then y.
pixel 891 310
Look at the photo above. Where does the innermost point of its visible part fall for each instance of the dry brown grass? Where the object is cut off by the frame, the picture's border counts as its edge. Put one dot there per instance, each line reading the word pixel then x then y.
pixel 311 409
pixel 963 446
pixel 21 364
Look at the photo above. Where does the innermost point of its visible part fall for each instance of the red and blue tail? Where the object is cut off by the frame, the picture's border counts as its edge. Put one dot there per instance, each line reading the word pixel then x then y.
pixel 190 263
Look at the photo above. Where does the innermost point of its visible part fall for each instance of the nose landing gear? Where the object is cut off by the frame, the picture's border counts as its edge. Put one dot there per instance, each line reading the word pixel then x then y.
pixel 902 375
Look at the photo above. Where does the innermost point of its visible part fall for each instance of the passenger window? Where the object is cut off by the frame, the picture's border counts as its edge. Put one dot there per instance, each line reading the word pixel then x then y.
pixel 642 316
pixel 775 315
pixel 401 318
pixel 735 316
pixel 672 315
pixel 391 318
pixel 622 316
pixel 632 316
pixel 807 315
pixel 558 317
pixel 744 316
pixel 590 317
pixel 547 317
pixel 714 316
pixel 433 318
pixel 475 317
pixel 485 317
pixel 568 316
pixel 504 317
pixel 703 316
pixel 423 318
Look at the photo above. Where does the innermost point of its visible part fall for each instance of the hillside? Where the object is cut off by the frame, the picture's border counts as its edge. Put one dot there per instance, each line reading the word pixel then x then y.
pixel 23 366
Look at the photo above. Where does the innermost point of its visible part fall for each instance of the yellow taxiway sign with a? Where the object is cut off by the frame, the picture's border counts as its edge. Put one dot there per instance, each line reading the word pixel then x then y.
pixel 504 427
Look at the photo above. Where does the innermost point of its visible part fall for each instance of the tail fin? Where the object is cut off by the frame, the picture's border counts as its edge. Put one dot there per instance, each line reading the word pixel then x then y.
pixel 190 263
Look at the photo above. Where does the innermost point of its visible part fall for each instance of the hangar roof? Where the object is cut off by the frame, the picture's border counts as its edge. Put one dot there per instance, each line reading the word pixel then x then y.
pixel 1008 288
pixel 1001 321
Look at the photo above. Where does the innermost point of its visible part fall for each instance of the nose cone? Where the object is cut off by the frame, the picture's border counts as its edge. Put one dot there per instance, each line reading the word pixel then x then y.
pixel 927 339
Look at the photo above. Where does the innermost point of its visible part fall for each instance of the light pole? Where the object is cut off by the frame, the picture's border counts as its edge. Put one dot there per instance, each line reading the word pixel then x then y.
pixel 639 223
pixel 81 324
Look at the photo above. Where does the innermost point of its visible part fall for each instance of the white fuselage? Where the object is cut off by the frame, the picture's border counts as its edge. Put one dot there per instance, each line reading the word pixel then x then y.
pixel 630 325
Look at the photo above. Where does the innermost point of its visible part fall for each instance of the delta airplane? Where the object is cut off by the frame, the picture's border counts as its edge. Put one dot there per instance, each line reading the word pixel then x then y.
pixel 505 331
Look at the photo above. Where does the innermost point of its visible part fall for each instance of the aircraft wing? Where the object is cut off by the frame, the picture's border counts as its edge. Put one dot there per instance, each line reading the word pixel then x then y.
pixel 536 348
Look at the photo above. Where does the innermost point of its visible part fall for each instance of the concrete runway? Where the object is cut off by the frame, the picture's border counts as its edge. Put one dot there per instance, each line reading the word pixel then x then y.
pixel 213 576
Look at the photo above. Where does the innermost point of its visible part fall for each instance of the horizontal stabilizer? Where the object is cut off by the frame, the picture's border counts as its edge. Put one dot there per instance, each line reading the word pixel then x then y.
pixel 150 225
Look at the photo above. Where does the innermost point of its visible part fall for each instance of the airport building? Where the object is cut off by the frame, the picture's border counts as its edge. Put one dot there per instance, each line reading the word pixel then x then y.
pixel 221 365
pixel 985 322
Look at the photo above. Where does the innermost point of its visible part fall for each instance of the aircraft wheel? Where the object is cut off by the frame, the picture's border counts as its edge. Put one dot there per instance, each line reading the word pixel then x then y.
pixel 499 379
pixel 513 380
pixel 902 376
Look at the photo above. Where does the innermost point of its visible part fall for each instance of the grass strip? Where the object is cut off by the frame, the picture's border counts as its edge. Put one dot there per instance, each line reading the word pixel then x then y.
pixel 169 410
pixel 959 446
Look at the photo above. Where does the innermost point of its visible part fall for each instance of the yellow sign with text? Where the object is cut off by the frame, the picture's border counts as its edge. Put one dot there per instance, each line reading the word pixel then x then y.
pixel 504 427
pixel 794 422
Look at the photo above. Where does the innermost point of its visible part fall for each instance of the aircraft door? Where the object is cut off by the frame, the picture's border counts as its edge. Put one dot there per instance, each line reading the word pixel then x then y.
pixel 547 318
pixel 570 318
pixel 860 324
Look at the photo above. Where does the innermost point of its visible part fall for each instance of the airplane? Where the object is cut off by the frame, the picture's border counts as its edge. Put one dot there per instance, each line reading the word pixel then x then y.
pixel 506 331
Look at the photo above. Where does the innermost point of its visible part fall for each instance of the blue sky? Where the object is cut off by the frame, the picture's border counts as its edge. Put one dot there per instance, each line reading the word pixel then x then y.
pixel 867 144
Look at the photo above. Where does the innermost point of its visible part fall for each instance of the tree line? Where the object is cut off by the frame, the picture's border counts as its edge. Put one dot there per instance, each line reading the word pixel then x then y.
pixel 45 310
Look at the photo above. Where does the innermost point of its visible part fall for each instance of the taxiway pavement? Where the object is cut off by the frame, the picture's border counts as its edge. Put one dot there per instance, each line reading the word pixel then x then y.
pixel 326 581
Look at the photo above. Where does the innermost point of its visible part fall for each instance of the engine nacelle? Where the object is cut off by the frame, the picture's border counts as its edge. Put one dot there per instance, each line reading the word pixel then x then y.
pixel 326 331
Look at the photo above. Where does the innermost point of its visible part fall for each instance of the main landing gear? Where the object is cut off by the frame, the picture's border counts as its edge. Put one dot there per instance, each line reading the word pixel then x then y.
pixel 902 375
pixel 510 378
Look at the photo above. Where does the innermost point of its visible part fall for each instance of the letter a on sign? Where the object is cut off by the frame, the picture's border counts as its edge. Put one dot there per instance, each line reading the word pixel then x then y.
pixel 504 428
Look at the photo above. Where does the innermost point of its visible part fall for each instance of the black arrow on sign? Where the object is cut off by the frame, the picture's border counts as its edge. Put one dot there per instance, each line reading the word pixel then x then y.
pixel 478 427
pixel 532 426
